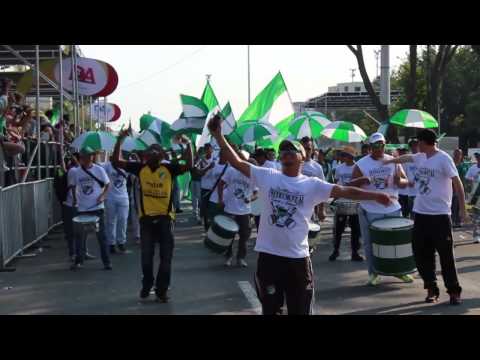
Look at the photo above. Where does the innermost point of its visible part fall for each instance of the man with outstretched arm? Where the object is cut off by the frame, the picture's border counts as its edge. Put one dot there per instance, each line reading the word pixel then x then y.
pixel 432 231
pixel 156 179
pixel 288 199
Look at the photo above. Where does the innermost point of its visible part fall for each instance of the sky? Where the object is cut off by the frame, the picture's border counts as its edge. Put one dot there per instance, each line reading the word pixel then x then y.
pixel 152 77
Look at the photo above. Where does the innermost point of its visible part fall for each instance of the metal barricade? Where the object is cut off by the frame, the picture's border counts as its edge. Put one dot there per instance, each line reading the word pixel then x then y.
pixel 42 207
pixel 11 224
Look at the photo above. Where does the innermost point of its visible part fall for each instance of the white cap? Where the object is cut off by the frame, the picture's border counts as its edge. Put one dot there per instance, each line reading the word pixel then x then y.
pixel 376 137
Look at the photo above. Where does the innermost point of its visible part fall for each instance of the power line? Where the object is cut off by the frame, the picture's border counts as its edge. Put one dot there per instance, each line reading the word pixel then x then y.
pixel 149 77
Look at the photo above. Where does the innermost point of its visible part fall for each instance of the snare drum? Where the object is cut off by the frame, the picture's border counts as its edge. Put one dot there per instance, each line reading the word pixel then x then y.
pixel 221 233
pixel 392 246
pixel 313 234
pixel 346 207
pixel 86 221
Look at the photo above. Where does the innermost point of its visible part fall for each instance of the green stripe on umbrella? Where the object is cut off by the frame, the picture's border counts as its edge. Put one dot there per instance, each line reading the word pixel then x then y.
pixel 414 119
pixel 344 131
pixel 97 140
pixel 309 123
pixel 256 131
pixel 133 144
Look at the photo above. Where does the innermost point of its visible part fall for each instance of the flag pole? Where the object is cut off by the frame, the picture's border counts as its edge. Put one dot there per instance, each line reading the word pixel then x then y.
pixel 248 63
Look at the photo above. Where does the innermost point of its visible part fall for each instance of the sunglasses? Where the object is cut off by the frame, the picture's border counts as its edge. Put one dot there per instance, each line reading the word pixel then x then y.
pixel 289 152
pixel 377 145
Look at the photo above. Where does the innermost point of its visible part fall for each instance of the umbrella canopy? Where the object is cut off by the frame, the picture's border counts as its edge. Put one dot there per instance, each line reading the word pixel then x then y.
pixel 97 140
pixel 131 144
pixel 414 119
pixel 344 131
pixel 256 131
pixel 309 123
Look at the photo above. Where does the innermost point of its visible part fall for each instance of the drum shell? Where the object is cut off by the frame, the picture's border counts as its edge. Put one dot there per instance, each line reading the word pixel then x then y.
pixel 392 251
pixel 313 237
pixel 219 239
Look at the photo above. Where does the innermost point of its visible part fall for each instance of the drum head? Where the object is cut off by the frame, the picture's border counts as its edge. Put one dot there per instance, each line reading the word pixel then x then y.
pixel 313 227
pixel 85 219
pixel 226 223
pixel 391 224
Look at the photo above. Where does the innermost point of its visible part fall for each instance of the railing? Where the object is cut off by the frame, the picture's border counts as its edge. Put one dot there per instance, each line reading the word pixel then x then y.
pixel 28 211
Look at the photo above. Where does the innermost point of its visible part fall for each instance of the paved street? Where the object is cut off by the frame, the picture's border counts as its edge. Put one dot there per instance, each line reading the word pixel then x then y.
pixel 201 285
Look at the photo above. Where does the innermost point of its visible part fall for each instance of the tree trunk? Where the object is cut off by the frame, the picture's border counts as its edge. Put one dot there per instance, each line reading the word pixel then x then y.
pixel 412 81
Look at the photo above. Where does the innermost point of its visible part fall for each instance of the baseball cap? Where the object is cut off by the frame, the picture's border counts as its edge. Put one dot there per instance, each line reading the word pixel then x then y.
pixel 291 145
pixel 86 151
pixel 376 137
pixel 349 150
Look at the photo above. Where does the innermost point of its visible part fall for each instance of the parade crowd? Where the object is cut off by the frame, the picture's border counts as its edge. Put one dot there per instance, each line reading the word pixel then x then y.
pixel 280 193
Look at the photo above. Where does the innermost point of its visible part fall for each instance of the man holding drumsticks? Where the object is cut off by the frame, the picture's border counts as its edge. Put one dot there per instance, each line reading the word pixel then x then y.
pixel 288 199
pixel 371 174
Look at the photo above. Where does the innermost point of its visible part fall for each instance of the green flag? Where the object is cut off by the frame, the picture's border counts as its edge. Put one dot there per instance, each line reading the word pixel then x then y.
pixel 272 105
pixel 209 98
pixel 55 115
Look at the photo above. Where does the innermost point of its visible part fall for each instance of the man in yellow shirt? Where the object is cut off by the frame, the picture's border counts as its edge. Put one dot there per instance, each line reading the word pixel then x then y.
pixel 157 215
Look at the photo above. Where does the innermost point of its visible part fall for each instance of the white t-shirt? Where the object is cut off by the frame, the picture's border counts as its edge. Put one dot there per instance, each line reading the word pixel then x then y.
pixel 343 174
pixel 87 189
pixel 216 172
pixel 207 180
pixel 472 173
pixel 238 188
pixel 410 170
pixel 433 182
pixel 381 180
pixel 313 169
pixel 271 164
pixel 69 200
pixel 287 206
pixel 118 190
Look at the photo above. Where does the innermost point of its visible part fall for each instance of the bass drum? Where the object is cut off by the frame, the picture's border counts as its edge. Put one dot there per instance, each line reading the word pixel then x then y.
pixel 313 235
pixel 221 233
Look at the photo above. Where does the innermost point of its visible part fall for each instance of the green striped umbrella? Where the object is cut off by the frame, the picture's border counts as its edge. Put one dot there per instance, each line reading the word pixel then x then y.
pixel 97 140
pixel 344 131
pixel 414 119
pixel 309 123
pixel 131 144
pixel 251 131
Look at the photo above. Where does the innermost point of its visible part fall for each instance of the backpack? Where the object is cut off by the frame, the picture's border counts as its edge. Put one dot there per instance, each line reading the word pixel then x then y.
pixel 60 184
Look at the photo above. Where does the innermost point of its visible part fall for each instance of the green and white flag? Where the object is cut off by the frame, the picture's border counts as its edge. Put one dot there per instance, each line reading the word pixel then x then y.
pixel 209 98
pixel 272 105
pixel 193 107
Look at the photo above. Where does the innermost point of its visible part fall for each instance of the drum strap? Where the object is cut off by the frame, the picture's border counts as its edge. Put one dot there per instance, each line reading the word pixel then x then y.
pixel 209 194
pixel 100 182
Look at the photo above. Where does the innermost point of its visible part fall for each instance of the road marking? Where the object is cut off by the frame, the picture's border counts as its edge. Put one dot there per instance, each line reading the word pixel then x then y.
pixel 251 296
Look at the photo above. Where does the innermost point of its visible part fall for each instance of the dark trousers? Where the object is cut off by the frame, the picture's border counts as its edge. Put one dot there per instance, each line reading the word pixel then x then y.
pixel 244 233
pixel 204 208
pixel 434 233
pixel 277 276
pixel 257 221
pixel 406 202
pixel 340 223
pixel 157 230
pixel 455 210
pixel 102 240
pixel 68 213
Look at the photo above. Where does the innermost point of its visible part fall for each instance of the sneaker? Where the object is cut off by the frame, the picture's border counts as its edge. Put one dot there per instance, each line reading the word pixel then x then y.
pixel 242 263
pixel 334 256
pixel 373 280
pixel 455 299
pixel 432 295
pixel 113 249
pixel 477 240
pixel 228 263
pixel 406 278
pixel 144 293
pixel 76 266
pixel 108 267
pixel 162 298
pixel 121 248
pixel 357 257
pixel 89 257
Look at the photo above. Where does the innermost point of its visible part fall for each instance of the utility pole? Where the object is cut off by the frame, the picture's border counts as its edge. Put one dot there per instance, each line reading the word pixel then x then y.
pixel 353 74
pixel 385 76
pixel 377 57
pixel 248 63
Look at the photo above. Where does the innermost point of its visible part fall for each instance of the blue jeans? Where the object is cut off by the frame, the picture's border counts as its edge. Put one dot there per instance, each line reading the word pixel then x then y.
pixel 176 195
pixel 68 213
pixel 102 241
pixel 196 197
pixel 116 221
pixel 365 219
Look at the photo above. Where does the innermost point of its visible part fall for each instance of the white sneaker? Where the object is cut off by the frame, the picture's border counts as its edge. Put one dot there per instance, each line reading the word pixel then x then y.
pixel 242 263
pixel 373 280
pixel 477 240
pixel 228 263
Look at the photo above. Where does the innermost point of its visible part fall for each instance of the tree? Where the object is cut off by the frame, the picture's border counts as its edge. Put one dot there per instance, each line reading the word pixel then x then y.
pixel 412 82
pixel 382 109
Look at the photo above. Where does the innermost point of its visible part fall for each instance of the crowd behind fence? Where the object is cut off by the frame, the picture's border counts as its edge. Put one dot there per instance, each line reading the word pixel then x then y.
pixel 30 209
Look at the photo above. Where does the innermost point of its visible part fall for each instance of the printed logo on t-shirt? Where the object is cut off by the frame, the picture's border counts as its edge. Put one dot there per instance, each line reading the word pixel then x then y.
pixel 118 183
pixel 86 185
pixel 423 177
pixel 380 177
pixel 284 205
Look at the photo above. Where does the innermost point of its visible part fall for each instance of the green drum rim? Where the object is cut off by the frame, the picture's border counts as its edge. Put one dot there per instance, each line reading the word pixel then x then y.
pixel 394 267
pixel 219 231
pixel 408 227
